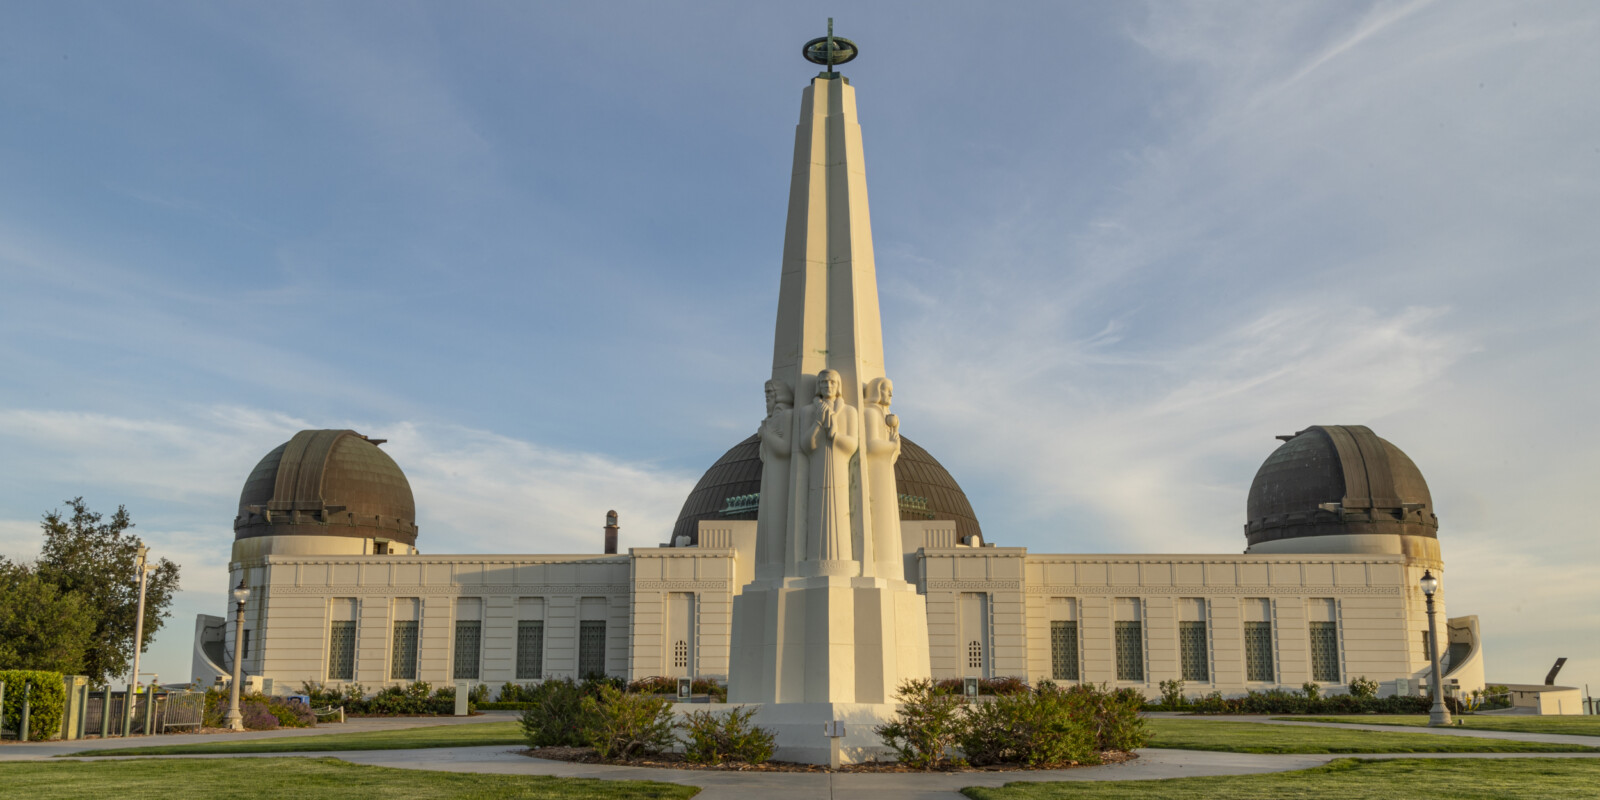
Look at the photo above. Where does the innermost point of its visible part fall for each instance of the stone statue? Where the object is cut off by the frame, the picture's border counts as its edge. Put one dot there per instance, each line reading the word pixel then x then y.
pixel 881 449
pixel 830 435
pixel 777 443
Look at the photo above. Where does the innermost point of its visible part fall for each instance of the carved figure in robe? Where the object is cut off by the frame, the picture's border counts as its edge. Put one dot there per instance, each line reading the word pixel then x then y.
pixel 830 435
pixel 777 444
pixel 880 450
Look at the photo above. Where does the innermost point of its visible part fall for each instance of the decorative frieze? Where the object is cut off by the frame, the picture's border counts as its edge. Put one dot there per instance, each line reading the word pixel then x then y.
pixel 346 590
pixel 1251 590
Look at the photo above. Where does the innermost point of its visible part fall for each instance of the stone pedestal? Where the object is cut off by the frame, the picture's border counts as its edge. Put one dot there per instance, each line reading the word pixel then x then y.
pixel 827 640
pixel 799 730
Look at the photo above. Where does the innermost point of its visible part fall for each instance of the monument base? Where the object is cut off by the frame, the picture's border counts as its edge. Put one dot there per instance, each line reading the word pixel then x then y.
pixel 798 728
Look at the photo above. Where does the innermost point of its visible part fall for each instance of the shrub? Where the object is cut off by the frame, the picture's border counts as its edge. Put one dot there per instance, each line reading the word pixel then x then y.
pixel 1036 729
pixel 1311 690
pixel 717 738
pixel 929 725
pixel 621 726
pixel 555 716
pixel 1172 693
pixel 1113 717
pixel 291 713
pixel 1363 688
pixel 654 684
pixel 511 693
pixel 1279 701
pixel 257 715
pixel 46 703
pixel 477 695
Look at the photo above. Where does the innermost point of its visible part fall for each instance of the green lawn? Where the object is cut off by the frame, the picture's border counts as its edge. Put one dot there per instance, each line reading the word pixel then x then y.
pixel 1255 737
pixel 1345 779
pixel 255 778
pixel 1567 725
pixel 468 735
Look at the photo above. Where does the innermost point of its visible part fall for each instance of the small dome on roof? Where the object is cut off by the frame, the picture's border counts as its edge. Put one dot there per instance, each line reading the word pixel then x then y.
pixel 1337 480
pixel 327 483
pixel 731 489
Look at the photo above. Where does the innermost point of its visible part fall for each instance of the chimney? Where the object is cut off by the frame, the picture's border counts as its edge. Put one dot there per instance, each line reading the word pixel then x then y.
pixel 611 533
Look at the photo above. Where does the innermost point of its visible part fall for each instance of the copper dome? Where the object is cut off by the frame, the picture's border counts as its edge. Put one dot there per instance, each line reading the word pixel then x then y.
pixel 1338 479
pixel 729 490
pixel 327 483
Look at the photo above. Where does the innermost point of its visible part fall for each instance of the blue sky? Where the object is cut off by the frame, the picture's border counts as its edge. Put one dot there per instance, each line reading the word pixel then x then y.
pixel 536 246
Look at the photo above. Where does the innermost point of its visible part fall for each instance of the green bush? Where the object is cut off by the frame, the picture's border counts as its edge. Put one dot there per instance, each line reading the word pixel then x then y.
pixel 986 686
pixel 1036 729
pixel 621 726
pixel 46 703
pixel 1172 694
pixel 718 738
pixel 657 684
pixel 1279 701
pixel 555 715
pixel 929 725
pixel 1363 688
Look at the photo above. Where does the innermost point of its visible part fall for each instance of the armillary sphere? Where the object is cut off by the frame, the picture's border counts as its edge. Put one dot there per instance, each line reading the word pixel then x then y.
pixel 830 50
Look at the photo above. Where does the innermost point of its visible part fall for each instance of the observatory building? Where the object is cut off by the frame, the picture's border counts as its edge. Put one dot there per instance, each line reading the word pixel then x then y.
pixel 827 557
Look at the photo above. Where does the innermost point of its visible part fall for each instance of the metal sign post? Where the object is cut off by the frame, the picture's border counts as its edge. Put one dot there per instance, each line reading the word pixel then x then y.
pixel 835 732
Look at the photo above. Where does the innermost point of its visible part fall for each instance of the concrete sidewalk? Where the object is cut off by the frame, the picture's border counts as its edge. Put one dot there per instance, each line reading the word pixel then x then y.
pixel 25 751
pixel 1515 736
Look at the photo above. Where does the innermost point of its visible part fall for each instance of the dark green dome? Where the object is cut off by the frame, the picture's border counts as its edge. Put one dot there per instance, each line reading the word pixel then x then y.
pixel 731 488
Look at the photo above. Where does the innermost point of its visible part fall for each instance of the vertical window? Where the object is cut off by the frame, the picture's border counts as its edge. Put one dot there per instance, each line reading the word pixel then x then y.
pixel 1258 651
pixel 342 650
pixel 1194 648
pixel 591 647
pixel 975 656
pixel 680 654
pixel 1129 639
pixel 530 649
pixel 403 658
pixel 469 641
pixel 1427 646
pixel 1064 650
pixel 1325 652
pixel 246 653
pixel 1130 651
pixel 1192 644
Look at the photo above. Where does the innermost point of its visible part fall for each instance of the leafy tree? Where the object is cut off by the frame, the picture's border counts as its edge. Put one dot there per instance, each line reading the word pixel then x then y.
pixel 87 555
pixel 41 628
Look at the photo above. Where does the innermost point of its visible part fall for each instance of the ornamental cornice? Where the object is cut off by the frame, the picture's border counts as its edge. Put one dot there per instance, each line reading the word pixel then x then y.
pixel 1128 591
pixel 676 586
pixel 364 560
pixel 968 586
pixel 454 590
pixel 1274 558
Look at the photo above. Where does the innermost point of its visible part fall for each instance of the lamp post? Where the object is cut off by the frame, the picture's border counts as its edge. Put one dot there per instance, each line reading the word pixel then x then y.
pixel 236 719
pixel 1438 716
pixel 140 569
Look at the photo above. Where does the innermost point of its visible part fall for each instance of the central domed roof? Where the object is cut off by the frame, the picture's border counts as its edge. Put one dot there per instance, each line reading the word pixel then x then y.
pixel 732 487
pixel 327 483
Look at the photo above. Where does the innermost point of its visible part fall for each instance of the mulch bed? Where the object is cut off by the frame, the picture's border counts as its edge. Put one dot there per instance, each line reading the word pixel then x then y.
pixel 586 755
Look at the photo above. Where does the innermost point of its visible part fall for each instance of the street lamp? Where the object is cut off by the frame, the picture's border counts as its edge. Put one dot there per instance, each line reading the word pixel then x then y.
pixel 241 594
pixel 1438 716
pixel 142 569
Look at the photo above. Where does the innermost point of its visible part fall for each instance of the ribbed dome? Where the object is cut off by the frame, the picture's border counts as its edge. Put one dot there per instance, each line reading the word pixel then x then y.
pixel 327 483
pixel 730 489
pixel 1338 479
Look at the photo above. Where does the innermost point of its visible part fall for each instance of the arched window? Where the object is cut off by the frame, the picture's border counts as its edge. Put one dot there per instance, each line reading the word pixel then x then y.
pixel 975 655
pixel 680 654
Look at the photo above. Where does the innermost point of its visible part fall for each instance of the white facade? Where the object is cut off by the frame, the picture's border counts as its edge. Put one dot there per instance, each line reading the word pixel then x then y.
pixel 992 612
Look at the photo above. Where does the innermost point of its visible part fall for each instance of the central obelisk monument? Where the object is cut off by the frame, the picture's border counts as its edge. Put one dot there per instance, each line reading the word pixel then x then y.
pixel 830 627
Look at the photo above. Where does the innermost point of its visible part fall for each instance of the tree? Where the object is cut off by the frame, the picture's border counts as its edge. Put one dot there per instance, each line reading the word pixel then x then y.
pixel 40 626
pixel 94 559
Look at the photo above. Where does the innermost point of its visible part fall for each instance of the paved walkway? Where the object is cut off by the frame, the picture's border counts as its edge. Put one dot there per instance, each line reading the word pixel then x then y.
pixel 1152 764
pixel 1516 736
pixel 26 751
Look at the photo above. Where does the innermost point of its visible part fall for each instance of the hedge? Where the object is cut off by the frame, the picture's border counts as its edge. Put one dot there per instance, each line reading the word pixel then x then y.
pixel 46 704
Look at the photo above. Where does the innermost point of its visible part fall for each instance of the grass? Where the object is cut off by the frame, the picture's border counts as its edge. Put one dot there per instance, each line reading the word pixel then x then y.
pixel 1345 779
pixel 254 778
pixel 1566 725
pixel 470 735
pixel 1254 737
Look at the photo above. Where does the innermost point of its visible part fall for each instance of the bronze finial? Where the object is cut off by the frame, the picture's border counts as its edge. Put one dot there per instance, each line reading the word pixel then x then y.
pixel 830 49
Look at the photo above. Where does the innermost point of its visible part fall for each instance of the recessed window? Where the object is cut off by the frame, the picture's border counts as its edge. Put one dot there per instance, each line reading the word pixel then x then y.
pixel 342 650
pixel 591 648
pixel 530 650
pixel 403 658
pixel 1064 650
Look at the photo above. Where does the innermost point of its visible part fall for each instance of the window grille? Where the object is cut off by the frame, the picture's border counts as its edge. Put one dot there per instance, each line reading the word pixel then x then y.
pixel 1427 646
pixel 1258 651
pixel 680 654
pixel 403 661
pixel 1064 650
pixel 591 648
pixel 975 655
pixel 469 638
pixel 530 650
pixel 1325 652
pixel 1192 646
pixel 1130 651
pixel 342 651
pixel 246 653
